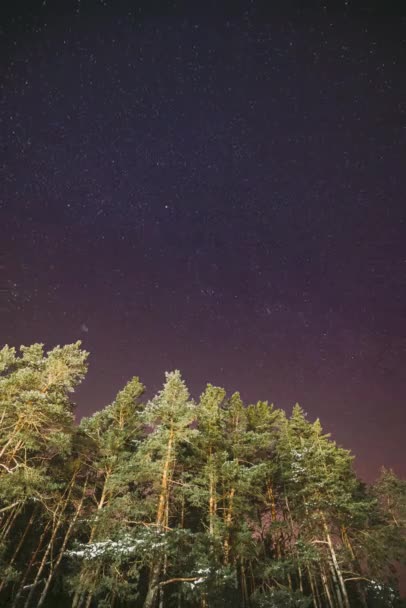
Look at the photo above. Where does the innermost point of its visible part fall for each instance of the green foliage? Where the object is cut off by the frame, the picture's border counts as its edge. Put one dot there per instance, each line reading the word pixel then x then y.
pixel 174 503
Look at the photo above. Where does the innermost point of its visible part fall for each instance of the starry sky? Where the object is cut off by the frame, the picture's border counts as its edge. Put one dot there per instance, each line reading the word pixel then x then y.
pixel 216 188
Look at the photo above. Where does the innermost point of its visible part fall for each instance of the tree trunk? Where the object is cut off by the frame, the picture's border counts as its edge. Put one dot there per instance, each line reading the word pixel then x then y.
pixel 336 586
pixel 153 585
pixel 29 567
pixel 346 601
pixel 88 600
pixel 79 596
pixel 163 497
pixel 10 521
pixel 347 543
pixel 212 497
pixel 20 544
pixel 272 503
pixel 152 593
pixel 56 527
pixel 244 590
pixel 55 566
pixel 327 591
pixel 299 572
pixel 228 522
pixel 313 587
pixel 165 560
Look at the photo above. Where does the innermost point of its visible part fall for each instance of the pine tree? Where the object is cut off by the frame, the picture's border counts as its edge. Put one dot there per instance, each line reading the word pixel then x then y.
pixel 170 415
pixel 172 504
pixel 37 427
pixel 114 433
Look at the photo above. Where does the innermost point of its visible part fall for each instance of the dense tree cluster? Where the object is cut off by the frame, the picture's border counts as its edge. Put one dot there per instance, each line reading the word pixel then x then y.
pixel 176 503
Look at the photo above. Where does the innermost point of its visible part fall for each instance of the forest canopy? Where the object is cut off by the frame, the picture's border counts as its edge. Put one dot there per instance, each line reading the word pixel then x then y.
pixel 173 502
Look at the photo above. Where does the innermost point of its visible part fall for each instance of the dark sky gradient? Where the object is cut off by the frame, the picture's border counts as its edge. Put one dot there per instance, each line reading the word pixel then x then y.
pixel 221 192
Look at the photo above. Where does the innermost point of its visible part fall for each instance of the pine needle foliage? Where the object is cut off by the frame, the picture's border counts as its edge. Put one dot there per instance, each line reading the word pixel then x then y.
pixel 170 502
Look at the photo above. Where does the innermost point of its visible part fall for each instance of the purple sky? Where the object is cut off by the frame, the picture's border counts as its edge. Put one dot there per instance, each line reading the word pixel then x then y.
pixel 219 192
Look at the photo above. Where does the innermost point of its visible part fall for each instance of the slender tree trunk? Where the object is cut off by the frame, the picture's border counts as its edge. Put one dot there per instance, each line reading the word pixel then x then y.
pixel 55 566
pixel 313 588
pixel 182 510
pixel 347 543
pixel 20 544
pixel 152 592
pixel 253 589
pixel 228 521
pixel 244 590
pixel 77 599
pixel 212 496
pixel 346 601
pixel 336 586
pixel 57 524
pixel 27 572
pixel 165 562
pixel 10 521
pixel 42 564
pixel 88 600
pixel 326 587
pixel 341 582
pixel 153 585
pixel 300 575
pixel 316 588
pixel 163 497
pixel 79 596
pixel 272 503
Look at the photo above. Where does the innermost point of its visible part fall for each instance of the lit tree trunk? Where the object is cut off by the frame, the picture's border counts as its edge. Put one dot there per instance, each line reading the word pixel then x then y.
pixel 165 564
pixel 346 601
pixel 58 520
pixel 299 571
pixel 153 586
pixel 212 495
pixel 272 503
pixel 163 497
pixel 335 585
pixel 79 596
pixel 20 543
pixel 212 510
pixel 228 522
pixel 30 564
pixel 326 587
pixel 89 598
pixel 347 543
pixel 313 587
pixel 12 516
pixel 55 565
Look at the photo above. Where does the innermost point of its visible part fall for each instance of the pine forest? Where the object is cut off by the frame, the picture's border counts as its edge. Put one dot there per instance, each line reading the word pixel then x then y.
pixel 175 502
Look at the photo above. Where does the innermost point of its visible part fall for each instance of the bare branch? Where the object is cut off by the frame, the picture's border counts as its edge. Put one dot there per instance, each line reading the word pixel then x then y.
pixel 181 580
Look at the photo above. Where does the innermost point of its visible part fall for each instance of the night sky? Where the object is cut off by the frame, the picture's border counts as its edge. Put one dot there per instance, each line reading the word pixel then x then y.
pixel 216 190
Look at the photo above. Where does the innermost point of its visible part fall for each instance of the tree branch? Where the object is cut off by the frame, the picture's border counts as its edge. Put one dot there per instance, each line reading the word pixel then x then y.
pixel 181 580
